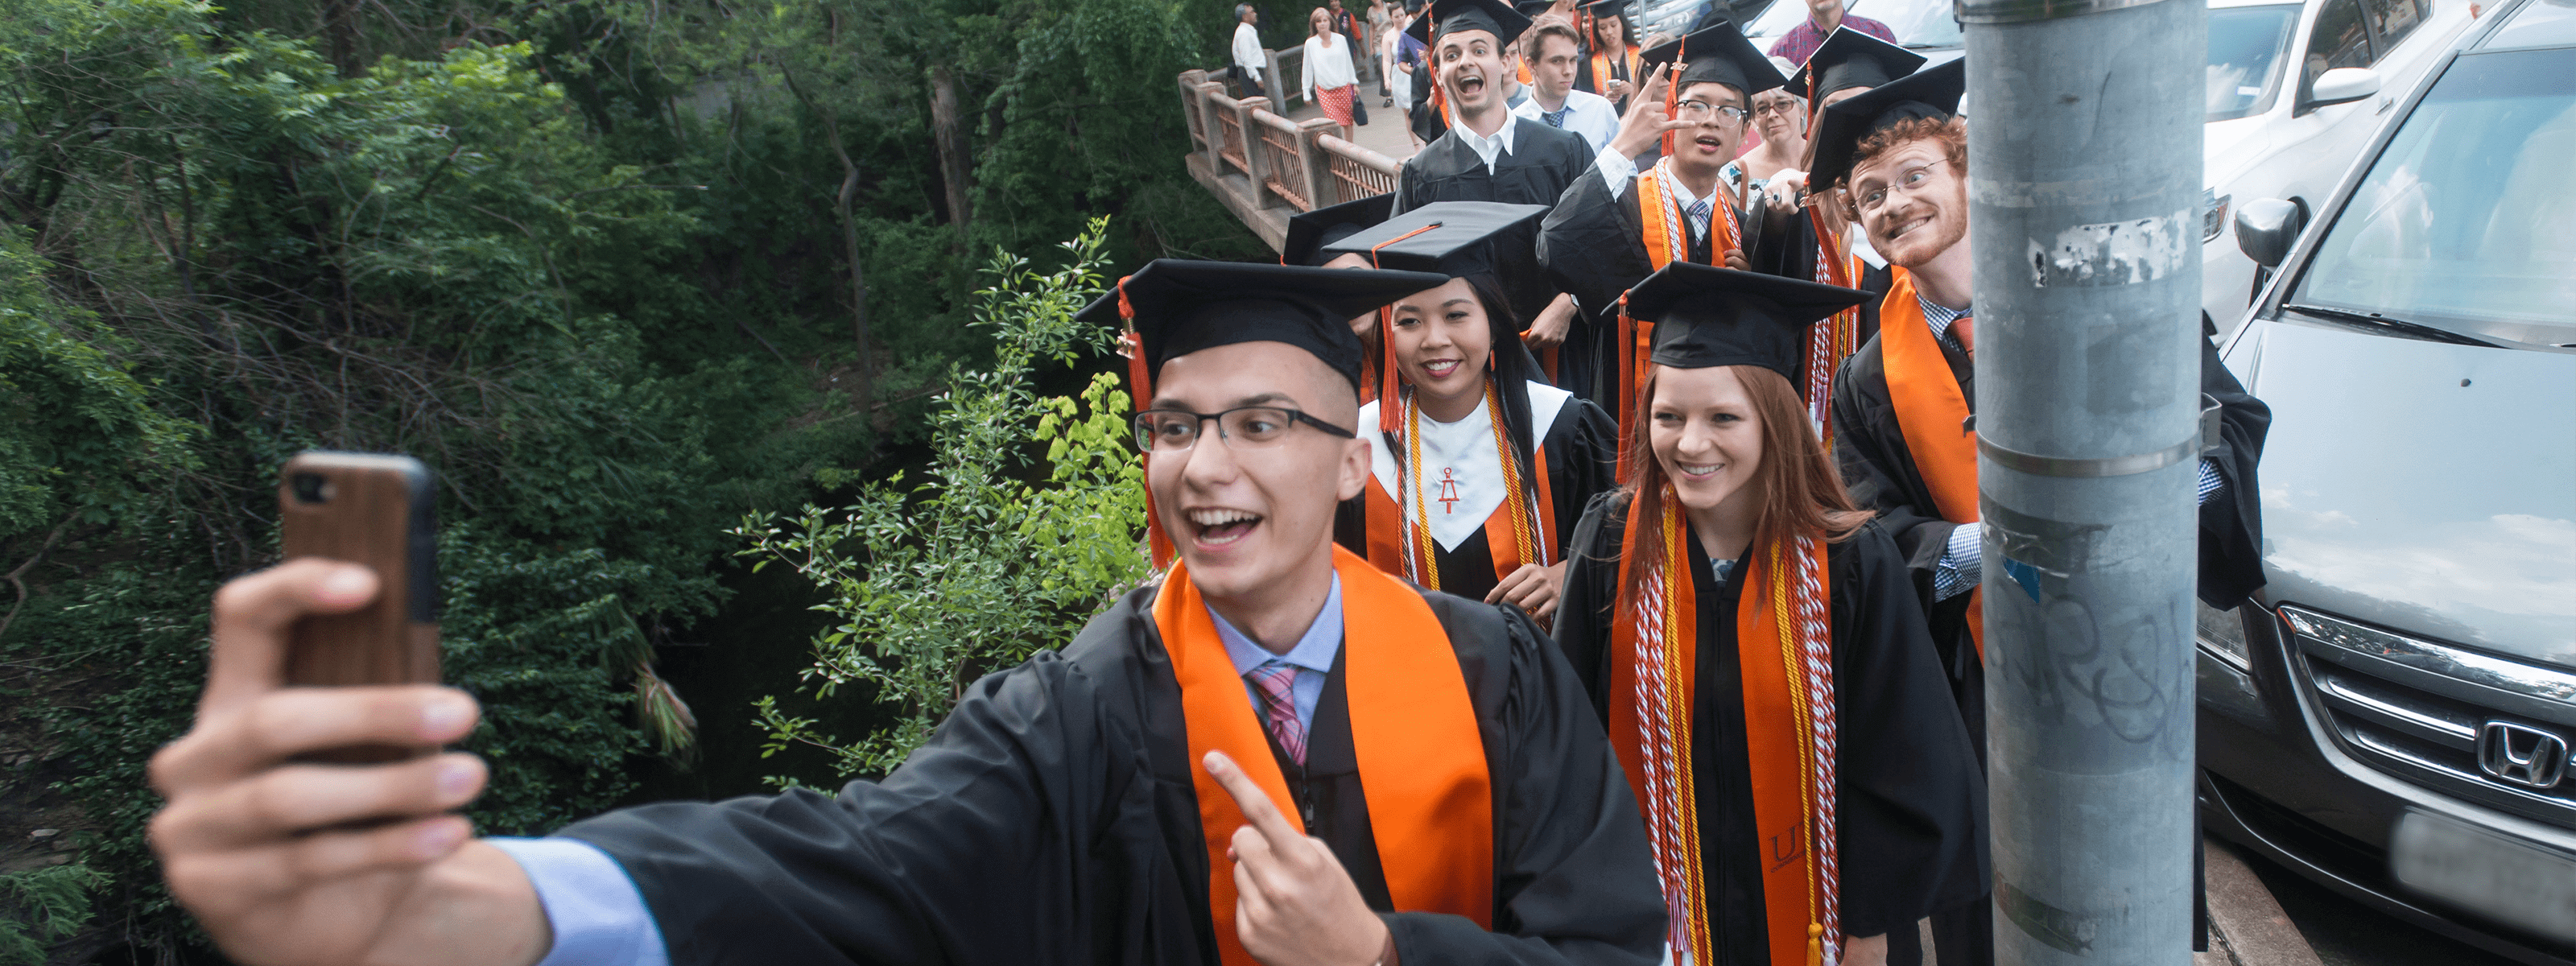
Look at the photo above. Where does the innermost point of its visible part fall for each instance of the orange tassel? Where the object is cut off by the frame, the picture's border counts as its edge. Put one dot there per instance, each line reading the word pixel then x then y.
pixel 1815 945
pixel 1140 383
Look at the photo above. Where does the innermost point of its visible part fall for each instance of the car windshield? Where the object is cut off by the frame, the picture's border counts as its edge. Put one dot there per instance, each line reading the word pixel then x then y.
pixel 2245 45
pixel 2467 221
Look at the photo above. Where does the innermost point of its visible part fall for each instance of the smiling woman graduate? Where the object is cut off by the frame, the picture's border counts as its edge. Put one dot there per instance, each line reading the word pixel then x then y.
pixel 1754 645
pixel 1477 468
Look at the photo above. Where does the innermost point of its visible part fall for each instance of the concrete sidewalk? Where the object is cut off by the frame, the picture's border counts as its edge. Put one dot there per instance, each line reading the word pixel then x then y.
pixel 2246 926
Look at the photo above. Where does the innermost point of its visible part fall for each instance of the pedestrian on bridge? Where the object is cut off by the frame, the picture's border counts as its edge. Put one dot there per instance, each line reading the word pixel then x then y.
pixel 1247 50
pixel 1331 82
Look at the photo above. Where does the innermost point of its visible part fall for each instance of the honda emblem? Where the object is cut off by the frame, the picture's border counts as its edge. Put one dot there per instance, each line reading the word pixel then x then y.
pixel 2521 755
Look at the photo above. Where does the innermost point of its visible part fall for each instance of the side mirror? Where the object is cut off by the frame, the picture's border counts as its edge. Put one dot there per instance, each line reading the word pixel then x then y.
pixel 2343 85
pixel 2265 229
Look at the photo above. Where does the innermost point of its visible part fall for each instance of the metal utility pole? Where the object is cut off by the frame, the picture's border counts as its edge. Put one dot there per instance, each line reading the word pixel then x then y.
pixel 2084 121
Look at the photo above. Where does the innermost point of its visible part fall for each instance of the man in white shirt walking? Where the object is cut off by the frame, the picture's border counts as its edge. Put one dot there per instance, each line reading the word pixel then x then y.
pixel 1247 50
pixel 1555 55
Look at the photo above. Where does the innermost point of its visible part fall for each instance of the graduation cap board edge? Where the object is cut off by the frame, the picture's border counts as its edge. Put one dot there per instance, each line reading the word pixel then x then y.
pixel 1932 93
pixel 1849 58
pixel 1451 16
pixel 1310 231
pixel 1463 239
pixel 1719 54
pixel 1707 316
pixel 1180 306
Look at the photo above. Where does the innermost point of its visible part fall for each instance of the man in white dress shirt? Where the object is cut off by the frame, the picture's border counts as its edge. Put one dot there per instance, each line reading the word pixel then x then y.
pixel 1247 50
pixel 1555 56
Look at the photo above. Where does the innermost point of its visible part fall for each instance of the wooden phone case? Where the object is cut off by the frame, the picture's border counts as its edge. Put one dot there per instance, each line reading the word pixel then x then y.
pixel 375 510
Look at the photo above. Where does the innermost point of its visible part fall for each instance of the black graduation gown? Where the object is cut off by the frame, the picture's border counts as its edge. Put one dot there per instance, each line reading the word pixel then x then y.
pixel 1790 252
pixel 1582 461
pixel 1542 162
pixel 1870 448
pixel 1427 124
pixel 1052 819
pixel 1592 245
pixel 1910 803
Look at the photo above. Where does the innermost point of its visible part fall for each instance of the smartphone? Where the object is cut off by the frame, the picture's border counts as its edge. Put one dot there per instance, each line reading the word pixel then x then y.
pixel 374 509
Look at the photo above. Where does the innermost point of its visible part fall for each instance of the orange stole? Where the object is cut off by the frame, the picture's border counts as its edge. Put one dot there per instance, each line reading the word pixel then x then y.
pixel 1932 413
pixel 1779 720
pixel 1413 731
pixel 1779 727
pixel 1386 527
pixel 1661 226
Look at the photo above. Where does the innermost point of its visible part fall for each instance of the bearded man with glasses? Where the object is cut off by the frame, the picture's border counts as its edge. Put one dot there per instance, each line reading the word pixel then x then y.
pixel 1904 405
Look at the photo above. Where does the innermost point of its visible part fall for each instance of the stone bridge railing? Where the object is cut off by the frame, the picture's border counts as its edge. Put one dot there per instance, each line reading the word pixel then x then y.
pixel 1264 166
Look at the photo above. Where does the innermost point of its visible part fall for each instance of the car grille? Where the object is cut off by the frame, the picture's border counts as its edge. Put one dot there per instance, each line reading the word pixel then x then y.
pixel 2414 709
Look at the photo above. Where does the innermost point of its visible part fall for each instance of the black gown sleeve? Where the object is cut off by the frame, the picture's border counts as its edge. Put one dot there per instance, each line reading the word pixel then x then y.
pixel 1869 449
pixel 1588 246
pixel 1032 772
pixel 1575 881
pixel 2231 523
pixel 1582 462
pixel 1583 614
pixel 1910 798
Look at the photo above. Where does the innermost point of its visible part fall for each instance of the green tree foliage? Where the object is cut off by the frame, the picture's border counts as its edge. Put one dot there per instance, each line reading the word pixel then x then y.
pixel 40 906
pixel 619 271
pixel 973 570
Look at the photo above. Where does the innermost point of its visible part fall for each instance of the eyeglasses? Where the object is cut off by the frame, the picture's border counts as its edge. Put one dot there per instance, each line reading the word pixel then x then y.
pixel 1782 106
pixel 1908 181
pixel 1243 427
pixel 1700 110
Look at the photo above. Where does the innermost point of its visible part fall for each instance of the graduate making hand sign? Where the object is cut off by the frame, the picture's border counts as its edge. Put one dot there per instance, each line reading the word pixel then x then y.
pixel 1609 231
pixel 1477 469
pixel 1754 646
pixel 1180 784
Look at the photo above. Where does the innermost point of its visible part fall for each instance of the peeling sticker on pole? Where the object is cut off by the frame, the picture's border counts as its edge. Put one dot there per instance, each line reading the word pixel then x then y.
pixel 2114 253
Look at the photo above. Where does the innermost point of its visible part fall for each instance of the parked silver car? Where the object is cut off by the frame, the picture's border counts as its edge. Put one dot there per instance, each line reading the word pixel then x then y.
pixel 2392 715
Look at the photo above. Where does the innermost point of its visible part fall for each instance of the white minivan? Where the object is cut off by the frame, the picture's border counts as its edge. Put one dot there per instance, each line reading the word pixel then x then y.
pixel 2295 90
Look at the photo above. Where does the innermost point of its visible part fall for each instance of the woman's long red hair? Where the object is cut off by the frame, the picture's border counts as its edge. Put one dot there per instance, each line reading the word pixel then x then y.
pixel 1802 492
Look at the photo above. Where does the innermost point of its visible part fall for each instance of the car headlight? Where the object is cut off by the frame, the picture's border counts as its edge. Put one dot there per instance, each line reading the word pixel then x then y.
pixel 2213 214
pixel 2222 634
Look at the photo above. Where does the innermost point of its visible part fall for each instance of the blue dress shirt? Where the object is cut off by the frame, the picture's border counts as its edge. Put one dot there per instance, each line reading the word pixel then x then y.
pixel 1312 657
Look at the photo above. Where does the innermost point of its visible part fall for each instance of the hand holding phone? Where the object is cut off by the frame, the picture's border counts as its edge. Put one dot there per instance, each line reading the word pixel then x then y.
pixel 377 511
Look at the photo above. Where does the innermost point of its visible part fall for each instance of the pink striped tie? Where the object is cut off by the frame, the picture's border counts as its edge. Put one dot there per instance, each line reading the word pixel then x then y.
pixel 1279 707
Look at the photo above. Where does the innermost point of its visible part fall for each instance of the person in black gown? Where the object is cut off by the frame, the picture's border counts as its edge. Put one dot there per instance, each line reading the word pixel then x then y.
pixel 1848 64
pixel 1596 243
pixel 1486 153
pixel 1454 502
pixel 1610 65
pixel 1900 154
pixel 1182 783
pixel 1674 618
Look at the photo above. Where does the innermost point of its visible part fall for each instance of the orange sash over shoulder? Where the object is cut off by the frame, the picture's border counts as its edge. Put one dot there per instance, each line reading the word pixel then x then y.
pixel 1784 651
pixel 1413 730
pixel 1933 414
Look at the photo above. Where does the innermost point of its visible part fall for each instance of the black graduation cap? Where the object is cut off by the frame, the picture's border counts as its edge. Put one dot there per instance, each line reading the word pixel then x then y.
pixel 1463 239
pixel 1706 316
pixel 1929 93
pixel 1716 54
pixel 1849 58
pixel 1181 306
pixel 1449 16
pixel 1532 8
pixel 1310 231
pixel 1605 8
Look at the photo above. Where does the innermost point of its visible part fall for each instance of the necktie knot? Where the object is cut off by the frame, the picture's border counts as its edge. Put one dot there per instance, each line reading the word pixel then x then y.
pixel 1555 118
pixel 1699 212
pixel 1275 683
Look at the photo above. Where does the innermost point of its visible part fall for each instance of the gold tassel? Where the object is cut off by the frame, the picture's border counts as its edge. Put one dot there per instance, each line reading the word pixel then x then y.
pixel 1815 944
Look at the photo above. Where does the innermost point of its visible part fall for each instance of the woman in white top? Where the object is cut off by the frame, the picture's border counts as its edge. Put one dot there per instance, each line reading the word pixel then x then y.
pixel 1330 79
